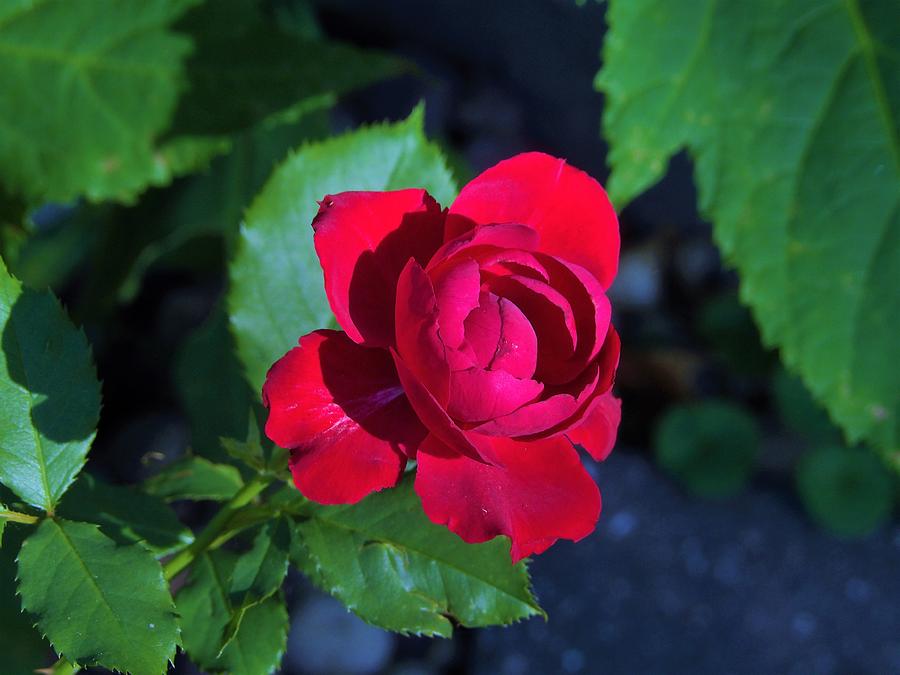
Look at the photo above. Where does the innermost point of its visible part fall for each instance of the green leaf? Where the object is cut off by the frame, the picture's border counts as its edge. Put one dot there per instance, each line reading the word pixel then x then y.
pixel 261 641
pixel 259 573
pixel 98 604
pixel 49 395
pixel 710 447
pixel 86 88
pixel 250 450
pixel 212 387
pixel 849 492
pixel 791 113
pixel 212 203
pixel 277 293
pixel 195 478
pixel 244 69
pixel 205 607
pixel 396 569
pixel 23 649
pixel 125 515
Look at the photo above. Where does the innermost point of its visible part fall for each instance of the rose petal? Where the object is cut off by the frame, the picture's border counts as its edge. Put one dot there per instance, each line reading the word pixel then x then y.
pixel 502 235
pixel 551 316
pixel 419 342
pixel 342 412
pixel 567 207
pixel 606 363
pixel 511 261
pixel 477 395
pixel 457 287
pixel 436 419
pixel 546 417
pixel 482 329
pixel 591 310
pixel 597 430
pixel 541 493
pixel 517 347
pixel 363 240
pixel 501 337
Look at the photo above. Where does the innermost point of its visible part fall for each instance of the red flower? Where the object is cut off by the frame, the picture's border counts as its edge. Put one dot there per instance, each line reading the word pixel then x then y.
pixel 477 341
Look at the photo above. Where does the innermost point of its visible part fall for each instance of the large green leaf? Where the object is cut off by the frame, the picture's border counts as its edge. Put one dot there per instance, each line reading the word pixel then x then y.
pixel 206 611
pixel 86 88
pixel 791 113
pixel 277 292
pixel 109 76
pixel 49 395
pixel 98 604
pixel 125 515
pixel 396 569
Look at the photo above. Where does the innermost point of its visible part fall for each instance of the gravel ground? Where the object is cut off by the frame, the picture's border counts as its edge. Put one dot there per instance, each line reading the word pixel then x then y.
pixel 673 584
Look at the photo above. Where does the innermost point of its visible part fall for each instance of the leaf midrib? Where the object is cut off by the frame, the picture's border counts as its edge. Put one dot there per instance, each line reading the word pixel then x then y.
pixel 123 636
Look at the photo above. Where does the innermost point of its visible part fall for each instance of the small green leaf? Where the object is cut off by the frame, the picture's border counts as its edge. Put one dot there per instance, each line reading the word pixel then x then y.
pixel 98 604
pixel 849 492
pixel 791 113
pixel 393 567
pixel 86 87
pixel 23 649
pixel 250 450
pixel 204 605
pixel 206 611
pixel 49 395
pixel 195 478
pixel 125 515
pixel 277 293
pixel 710 447
pixel 212 387
pixel 259 573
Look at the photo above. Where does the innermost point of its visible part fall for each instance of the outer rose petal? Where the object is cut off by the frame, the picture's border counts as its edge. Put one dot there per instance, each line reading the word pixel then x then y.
pixel 566 206
pixel 597 431
pixel 363 240
pixel 342 411
pixel 541 493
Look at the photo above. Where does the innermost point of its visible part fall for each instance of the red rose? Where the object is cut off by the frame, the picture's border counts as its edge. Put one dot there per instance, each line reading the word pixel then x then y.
pixel 477 342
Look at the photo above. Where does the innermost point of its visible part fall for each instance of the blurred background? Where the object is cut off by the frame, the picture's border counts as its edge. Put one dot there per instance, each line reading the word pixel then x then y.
pixel 739 533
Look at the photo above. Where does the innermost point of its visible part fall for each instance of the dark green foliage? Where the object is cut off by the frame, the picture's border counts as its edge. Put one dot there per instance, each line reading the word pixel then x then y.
pixel 709 447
